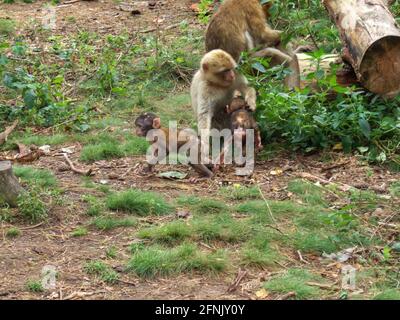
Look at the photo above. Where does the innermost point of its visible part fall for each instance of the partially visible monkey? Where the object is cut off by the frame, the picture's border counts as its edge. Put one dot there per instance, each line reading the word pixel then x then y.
pixel 149 121
pixel 213 87
pixel 242 119
pixel 240 25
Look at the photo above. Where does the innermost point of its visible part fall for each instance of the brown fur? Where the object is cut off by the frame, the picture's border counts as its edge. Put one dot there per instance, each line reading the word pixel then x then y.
pixel 148 121
pixel 212 90
pixel 233 19
pixel 240 25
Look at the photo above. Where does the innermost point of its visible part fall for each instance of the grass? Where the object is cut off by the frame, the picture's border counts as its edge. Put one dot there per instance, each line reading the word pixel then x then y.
pixel 40 140
pixel 295 280
pixel 239 192
pixel 40 177
pixel 210 206
pixel 221 228
pixel 257 251
pixel 34 286
pixel 169 233
pixel 102 151
pixel 109 222
pixel 13 232
pixel 389 294
pixel 7 26
pixel 207 228
pixel 31 207
pixel 110 147
pixel 103 271
pixel 156 261
pixel 96 206
pixel 139 202
pixel 111 252
pixel 307 192
pixel 79 232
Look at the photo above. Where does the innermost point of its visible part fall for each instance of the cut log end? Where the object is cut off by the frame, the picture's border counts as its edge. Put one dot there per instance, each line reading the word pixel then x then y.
pixel 380 67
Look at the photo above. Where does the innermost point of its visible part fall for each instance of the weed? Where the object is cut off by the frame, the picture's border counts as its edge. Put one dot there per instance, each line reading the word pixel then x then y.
pixel 79 232
pixel 38 177
pixel 158 261
pixel 101 270
pixel 34 286
pixel 139 202
pixel 13 232
pixel 109 222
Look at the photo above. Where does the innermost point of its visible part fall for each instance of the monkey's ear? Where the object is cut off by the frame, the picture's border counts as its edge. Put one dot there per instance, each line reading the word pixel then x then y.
pixel 205 67
pixel 156 123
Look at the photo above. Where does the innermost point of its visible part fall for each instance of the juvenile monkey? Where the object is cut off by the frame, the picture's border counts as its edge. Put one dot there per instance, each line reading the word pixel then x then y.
pixel 149 121
pixel 213 87
pixel 242 119
pixel 240 25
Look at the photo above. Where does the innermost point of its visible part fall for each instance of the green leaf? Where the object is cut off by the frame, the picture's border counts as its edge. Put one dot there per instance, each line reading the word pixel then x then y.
pixel 172 175
pixel 365 127
pixel 259 67
pixel 30 98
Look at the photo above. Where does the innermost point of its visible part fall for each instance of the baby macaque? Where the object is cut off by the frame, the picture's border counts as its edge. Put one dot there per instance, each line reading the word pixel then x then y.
pixel 149 121
pixel 242 119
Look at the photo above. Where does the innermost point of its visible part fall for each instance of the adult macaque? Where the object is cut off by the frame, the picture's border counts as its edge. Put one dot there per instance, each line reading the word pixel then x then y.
pixel 240 25
pixel 149 121
pixel 213 88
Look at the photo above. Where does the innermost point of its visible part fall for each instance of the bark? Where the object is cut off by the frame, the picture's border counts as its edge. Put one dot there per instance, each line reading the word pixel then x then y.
pixel 371 42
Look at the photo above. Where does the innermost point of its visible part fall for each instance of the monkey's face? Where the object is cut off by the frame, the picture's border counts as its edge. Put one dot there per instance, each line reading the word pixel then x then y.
pixel 241 121
pixel 146 122
pixel 219 67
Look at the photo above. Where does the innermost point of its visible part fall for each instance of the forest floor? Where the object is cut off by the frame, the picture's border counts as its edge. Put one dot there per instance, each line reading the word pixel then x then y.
pixel 279 234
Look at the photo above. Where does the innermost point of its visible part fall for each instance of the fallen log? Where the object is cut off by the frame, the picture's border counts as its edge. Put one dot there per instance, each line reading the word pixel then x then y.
pixel 10 188
pixel 371 41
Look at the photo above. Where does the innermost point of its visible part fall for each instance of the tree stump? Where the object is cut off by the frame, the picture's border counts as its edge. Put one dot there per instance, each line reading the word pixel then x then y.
pixel 372 42
pixel 10 188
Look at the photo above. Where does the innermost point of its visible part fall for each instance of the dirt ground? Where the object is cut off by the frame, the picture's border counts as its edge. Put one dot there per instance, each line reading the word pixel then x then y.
pixel 51 243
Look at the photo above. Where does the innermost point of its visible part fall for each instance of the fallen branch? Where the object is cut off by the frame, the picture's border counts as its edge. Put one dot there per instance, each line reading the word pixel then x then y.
pixel 236 283
pixel 165 29
pixel 76 170
pixel 4 135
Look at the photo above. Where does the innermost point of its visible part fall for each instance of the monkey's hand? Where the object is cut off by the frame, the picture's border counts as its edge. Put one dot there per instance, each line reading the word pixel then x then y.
pixel 251 99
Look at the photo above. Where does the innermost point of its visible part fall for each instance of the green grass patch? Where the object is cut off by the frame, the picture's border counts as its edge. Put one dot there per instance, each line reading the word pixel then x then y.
pixel 7 26
pixel 295 280
pixel 222 228
pixel 159 261
pixel 109 222
pixel 96 206
pixel 188 201
pixel 260 213
pixel 39 177
pixel 31 207
pixel 79 232
pixel 111 252
pixel 102 151
pixel 34 286
pixel 103 271
pixel 257 251
pixel 13 232
pixel 239 192
pixel 395 189
pixel 210 206
pixel 40 140
pixel 169 233
pixel 139 202
pixel 307 192
pixel 389 294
